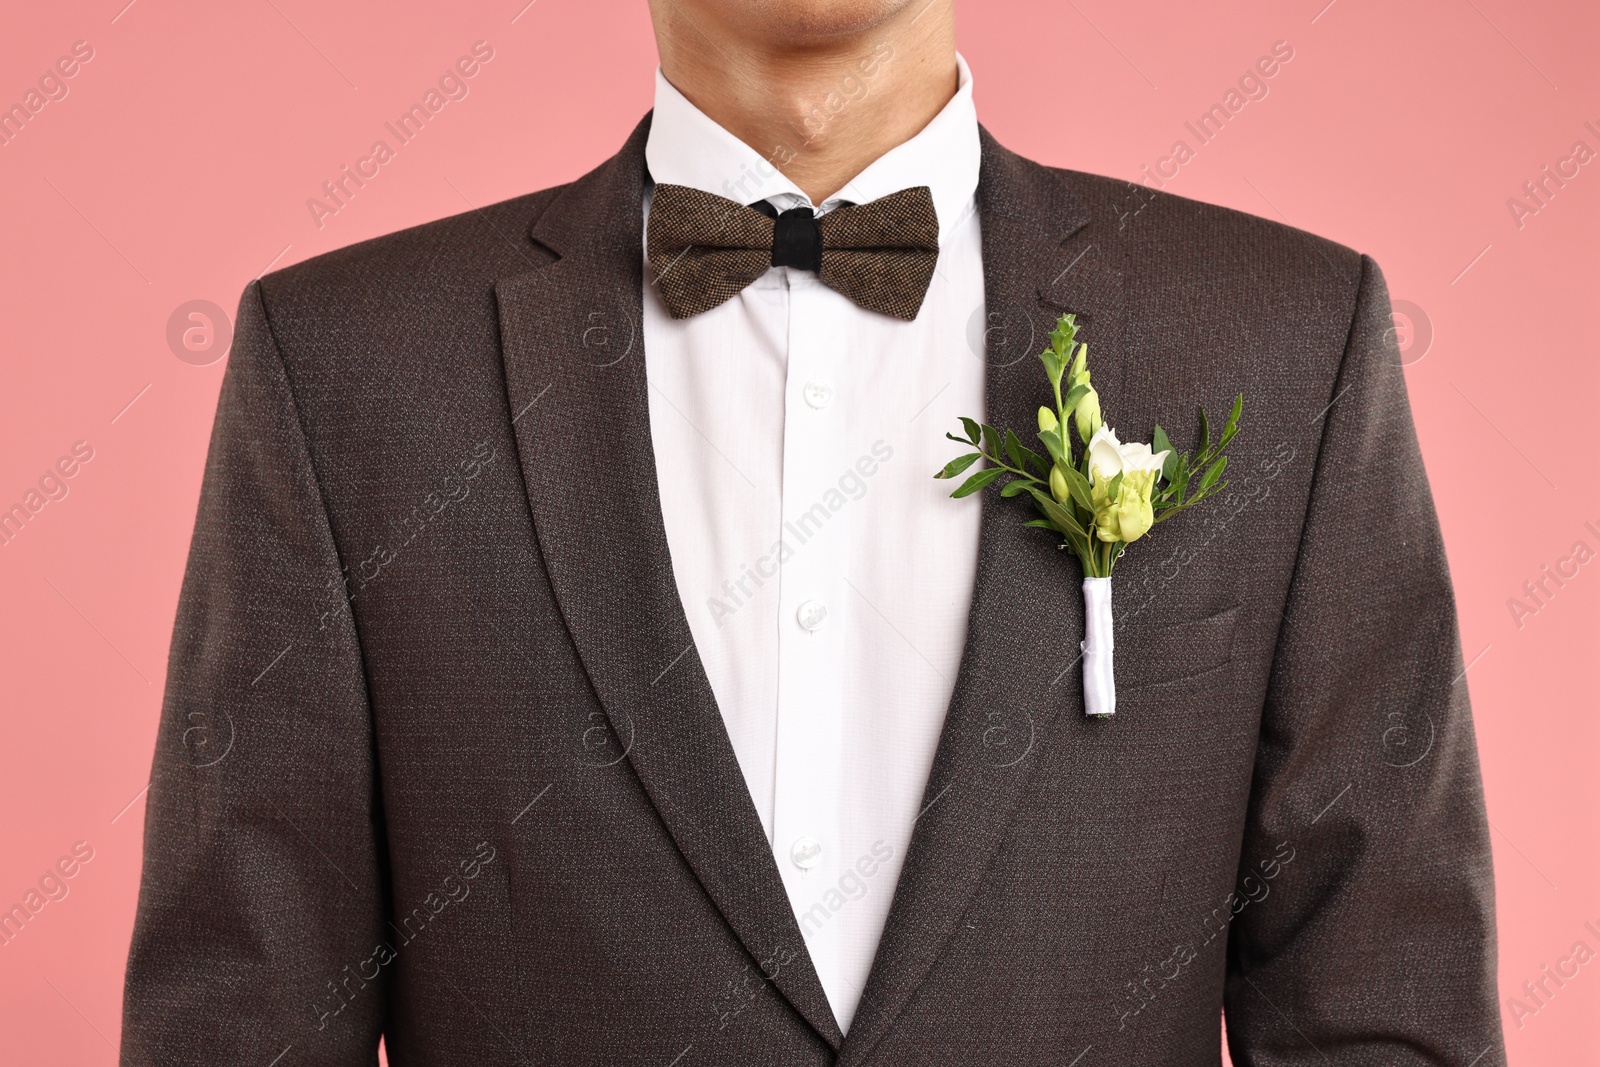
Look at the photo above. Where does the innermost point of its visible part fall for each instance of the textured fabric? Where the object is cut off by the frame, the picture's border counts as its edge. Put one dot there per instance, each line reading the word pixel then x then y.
pixel 796 432
pixel 478 794
pixel 704 248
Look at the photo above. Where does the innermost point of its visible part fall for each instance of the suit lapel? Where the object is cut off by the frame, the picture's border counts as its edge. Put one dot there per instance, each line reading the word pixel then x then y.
pixel 575 375
pixel 1017 671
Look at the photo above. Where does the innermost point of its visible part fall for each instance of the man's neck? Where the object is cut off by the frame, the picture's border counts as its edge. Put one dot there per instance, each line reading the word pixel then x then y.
pixel 822 111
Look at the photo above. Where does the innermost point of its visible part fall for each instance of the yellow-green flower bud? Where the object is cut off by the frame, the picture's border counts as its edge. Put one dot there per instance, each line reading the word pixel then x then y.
pixel 1087 415
pixel 1133 468
pixel 1135 515
pixel 1105 509
pixel 1130 516
pixel 1080 365
pixel 1058 485
pixel 1047 420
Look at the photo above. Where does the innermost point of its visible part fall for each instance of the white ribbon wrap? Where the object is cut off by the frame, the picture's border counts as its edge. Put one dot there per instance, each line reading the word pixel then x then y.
pixel 1099 680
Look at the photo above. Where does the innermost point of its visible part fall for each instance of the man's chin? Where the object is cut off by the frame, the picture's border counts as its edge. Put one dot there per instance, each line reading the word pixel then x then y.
pixel 792 22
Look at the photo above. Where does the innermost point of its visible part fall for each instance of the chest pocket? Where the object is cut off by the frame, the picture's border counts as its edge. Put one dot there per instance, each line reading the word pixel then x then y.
pixel 1155 653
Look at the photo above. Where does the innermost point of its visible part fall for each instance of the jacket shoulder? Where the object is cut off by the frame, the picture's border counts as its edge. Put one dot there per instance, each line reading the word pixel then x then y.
pixel 464 251
pixel 1190 233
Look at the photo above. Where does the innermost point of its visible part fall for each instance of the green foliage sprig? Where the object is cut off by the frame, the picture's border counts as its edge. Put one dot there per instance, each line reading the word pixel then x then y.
pixel 1103 496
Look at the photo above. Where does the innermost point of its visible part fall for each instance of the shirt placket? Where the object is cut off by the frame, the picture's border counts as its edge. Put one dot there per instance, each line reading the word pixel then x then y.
pixel 813 617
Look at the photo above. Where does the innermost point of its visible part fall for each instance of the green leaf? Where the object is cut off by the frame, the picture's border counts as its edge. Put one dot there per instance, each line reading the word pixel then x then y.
pixel 971 428
pixel 1213 472
pixel 1058 514
pixel 1180 481
pixel 978 481
pixel 956 466
pixel 1205 432
pixel 1039 463
pixel 1052 444
pixel 1231 427
pixel 1053 365
pixel 1059 354
pixel 1078 542
pixel 1016 487
pixel 1064 334
pixel 1159 442
pixel 1078 486
pixel 1070 400
pixel 1014 451
pixel 991 441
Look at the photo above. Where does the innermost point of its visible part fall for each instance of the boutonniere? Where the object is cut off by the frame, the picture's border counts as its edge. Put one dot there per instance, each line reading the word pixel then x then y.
pixel 1099 499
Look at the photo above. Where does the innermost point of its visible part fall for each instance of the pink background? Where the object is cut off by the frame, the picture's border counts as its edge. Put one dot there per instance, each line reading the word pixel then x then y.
pixel 179 164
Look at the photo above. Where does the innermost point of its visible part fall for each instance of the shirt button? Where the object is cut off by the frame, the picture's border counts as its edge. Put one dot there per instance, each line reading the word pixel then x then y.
pixel 811 615
pixel 806 853
pixel 819 394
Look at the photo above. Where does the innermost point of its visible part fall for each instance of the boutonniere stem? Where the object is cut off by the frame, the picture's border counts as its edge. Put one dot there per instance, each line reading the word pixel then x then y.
pixel 1099 498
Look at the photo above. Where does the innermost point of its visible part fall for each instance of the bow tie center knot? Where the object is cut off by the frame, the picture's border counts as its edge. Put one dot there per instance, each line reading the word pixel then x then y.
pixel 797 240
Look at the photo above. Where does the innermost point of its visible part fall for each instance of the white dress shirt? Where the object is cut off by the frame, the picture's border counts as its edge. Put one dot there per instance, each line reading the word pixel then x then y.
pixel 826 574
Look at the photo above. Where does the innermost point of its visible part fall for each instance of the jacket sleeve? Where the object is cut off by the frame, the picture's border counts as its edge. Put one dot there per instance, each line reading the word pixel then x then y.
pixel 261 901
pixel 1369 937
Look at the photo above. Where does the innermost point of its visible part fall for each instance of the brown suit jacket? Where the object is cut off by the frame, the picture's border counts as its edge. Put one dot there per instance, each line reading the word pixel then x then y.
pixel 439 759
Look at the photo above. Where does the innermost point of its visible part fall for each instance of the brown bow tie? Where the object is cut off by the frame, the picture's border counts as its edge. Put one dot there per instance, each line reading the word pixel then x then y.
pixel 705 248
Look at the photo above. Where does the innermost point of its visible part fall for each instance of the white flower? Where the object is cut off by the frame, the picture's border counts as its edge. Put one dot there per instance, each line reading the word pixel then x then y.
pixel 1109 457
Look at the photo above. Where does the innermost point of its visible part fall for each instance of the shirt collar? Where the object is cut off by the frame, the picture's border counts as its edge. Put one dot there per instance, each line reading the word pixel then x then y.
pixel 686 147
